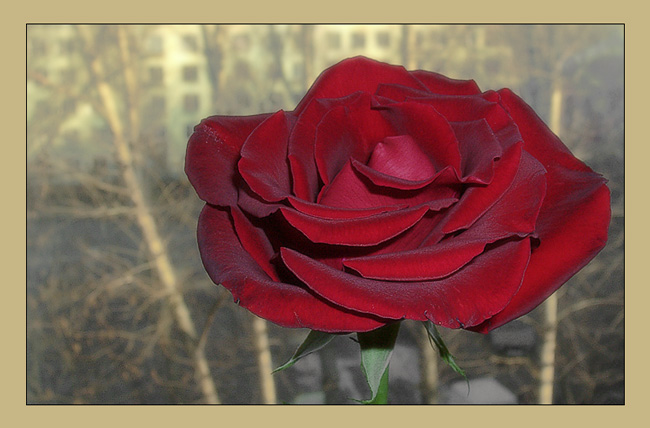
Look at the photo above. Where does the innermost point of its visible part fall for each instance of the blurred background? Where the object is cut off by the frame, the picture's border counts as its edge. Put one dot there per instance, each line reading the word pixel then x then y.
pixel 119 308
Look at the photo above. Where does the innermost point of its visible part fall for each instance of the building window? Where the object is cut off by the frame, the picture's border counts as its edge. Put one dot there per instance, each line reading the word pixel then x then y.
pixel 191 103
pixel 242 98
pixel 242 70
pixel 69 106
pixel 156 76
pixel 155 133
pixel 358 40
pixel 68 76
pixel 241 42
pixel 333 40
pixel 41 73
pixel 190 43
pixel 190 73
pixel 277 99
pixel 383 39
pixel 39 47
pixel 157 105
pixel 67 46
pixel 298 69
pixel 155 45
pixel 72 136
pixel 493 66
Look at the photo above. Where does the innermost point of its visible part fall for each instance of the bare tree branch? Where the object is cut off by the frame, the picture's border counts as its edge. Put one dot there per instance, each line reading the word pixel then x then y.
pixel 152 238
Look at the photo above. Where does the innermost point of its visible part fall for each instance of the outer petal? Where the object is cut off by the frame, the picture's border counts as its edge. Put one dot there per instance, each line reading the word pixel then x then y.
pixel 356 74
pixel 466 298
pixel 572 230
pixel 227 263
pixel 255 242
pixel 389 92
pixel 486 106
pixel 573 220
pixel 212 155
pixel 539 140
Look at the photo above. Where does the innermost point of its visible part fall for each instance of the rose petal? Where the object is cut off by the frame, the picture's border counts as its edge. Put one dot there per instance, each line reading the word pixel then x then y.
pixel 381 179
pixel 428 128
pixel 389 93
pixel 301 145
pixel 346 132
pixel 287 305
pixel 402 158
pixel 324 211
pixel 263 162
pixel 255 242
pixel 352 190
pixel 337 140
pixel 515 213
pixel 253 204
pixel 355 232
pixel 420 264
pixel 572 228
pixel 507 206
pixel 539 140
pixel 573 220
pixel 212 155
pixel 466 298
pixel 479 148
pixel 412 238
pixel 486 106
pixel 476 200
pixel 512 213
pixel 356 74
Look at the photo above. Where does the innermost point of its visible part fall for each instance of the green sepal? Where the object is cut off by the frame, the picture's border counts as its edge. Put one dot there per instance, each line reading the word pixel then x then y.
pixel 314 341
pixel 435 338
pixel 382 391
pixel 376 350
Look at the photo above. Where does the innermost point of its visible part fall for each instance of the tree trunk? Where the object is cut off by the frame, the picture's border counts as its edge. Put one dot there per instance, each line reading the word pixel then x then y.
pixel 308 55
pixel 264 361
pixel 154 244
pixel 212 48
pixel 409 60
pixel 429 369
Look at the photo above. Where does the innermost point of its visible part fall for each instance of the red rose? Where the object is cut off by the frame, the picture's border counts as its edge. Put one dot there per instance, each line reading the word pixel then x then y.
pixel 388 195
